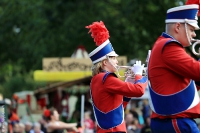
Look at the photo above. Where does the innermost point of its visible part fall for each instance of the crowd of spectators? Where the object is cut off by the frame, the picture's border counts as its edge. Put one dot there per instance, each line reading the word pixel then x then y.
pixel 137 119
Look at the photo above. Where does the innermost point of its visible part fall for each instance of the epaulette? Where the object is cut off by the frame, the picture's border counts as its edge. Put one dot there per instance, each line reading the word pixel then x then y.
pixel 171 41
pixel 106 75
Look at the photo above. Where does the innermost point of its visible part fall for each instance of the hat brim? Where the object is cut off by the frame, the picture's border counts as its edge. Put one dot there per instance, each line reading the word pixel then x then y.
pixel 112 54
pixel 195 25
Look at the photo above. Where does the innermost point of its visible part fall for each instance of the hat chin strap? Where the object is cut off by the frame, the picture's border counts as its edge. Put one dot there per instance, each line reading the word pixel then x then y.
pixel 111 62
pixel 186 30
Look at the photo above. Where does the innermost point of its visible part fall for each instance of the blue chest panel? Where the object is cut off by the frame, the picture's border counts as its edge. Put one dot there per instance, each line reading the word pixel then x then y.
pixel 174 103
pixel 110 119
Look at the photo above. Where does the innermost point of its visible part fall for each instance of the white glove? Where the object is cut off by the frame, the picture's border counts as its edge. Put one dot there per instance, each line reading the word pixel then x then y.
pixel 138 68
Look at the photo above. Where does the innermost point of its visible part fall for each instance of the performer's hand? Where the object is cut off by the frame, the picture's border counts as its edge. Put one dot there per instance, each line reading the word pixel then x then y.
pixel 138 68
pixel 130 80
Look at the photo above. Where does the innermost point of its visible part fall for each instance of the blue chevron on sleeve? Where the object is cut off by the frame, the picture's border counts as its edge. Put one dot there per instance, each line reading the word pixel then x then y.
pixel 142 80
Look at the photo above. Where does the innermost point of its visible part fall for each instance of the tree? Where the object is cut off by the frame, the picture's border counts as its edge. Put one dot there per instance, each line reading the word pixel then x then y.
pixel 31 30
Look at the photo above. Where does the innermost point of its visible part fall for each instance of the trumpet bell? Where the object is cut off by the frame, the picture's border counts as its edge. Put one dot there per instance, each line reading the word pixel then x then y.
pixel 127 71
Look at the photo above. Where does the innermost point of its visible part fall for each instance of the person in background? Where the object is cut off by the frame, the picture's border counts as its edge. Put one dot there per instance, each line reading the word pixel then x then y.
pixel 36 128
pixel 22 127
pixel 128 119
pixel 12 119
pixel 131 123
pixel 134 112
pixel 174 75
pixel 146 128
pixel 54 124
pixel 88 123
pixel 146 110
pixel 16 128
pixel 110 94
pixel 28 126
pixel 43 124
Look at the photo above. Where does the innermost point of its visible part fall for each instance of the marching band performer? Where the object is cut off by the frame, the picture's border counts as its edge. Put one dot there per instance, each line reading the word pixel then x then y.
pixel 109 94
pixel 173 74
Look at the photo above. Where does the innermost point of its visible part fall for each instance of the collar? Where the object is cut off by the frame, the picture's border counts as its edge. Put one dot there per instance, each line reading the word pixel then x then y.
pixel 104 71
pixel 165 35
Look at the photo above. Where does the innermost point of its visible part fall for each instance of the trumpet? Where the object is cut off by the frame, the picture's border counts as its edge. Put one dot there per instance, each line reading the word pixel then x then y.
pixel 194 45
pixel 128 72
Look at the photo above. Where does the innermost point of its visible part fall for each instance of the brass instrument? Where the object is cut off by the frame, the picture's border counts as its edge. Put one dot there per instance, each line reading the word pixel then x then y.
pixel 128 72
pixel 194 45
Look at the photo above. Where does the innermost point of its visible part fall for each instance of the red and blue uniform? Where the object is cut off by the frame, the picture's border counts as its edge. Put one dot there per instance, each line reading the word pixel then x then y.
pixel 173 83
pixel 110 96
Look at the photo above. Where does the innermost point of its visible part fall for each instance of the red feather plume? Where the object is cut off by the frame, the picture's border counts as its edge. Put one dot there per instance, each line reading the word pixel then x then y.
pixel 99 32
pixel 193 2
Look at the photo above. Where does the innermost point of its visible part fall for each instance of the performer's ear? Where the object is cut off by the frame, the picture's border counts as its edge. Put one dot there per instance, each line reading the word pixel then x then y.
pixel 177 27
pixel 104 62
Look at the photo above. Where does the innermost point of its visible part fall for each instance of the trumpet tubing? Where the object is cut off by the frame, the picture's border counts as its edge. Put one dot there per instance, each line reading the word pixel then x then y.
pixel 129 71
pixel 128 67
pixel 194 45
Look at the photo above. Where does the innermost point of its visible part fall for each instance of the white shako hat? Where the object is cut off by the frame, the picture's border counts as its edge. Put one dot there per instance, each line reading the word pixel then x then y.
pixel 182 14
pixel 100 34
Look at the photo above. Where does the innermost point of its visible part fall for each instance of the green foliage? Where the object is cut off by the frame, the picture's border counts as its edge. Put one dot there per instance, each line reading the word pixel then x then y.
pixel 31 30
pixel 14 79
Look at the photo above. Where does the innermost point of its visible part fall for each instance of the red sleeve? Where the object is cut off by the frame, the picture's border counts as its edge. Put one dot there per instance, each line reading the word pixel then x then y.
pixel 177 60
pixel 117 86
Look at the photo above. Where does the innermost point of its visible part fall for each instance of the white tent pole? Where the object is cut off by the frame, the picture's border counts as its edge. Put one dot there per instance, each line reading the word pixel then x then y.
pixel 82 110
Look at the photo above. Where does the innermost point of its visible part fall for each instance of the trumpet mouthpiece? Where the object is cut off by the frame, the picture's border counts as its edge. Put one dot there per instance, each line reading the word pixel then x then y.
pixel 128 67
pixel 194 40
